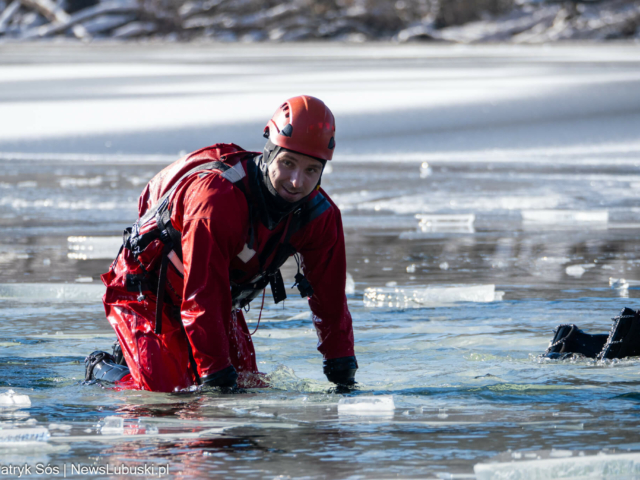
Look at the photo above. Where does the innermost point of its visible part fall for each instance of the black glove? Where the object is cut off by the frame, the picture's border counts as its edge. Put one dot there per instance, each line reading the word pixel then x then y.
pixel 225 379
pixel 341 371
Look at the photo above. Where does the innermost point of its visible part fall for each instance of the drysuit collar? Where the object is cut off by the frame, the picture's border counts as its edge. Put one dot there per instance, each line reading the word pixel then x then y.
pixel 272 207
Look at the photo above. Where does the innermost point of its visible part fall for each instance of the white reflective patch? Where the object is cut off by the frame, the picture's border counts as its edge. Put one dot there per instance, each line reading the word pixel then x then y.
pixel 235 173
pixel 176 262
pixel 247 253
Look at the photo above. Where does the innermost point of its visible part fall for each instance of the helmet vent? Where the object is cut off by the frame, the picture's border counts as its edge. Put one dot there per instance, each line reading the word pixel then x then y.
pixel 287 131
pixel 332 144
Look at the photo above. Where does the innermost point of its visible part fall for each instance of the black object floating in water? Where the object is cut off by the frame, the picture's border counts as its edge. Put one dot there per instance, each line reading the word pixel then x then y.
pixel 622 341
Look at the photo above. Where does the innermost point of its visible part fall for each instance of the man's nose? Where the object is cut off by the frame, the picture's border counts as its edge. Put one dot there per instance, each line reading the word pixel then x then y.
pixel 296 178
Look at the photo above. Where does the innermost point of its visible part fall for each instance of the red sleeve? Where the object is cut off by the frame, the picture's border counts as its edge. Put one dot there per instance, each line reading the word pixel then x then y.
pixel 211 213
pixel 325 266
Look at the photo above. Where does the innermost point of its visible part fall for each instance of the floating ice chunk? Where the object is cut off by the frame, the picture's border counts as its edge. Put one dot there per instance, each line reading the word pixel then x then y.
pixel 412 297
pixel 425 170
pixel 67 182
pixel 578 270
pixel 374 405
pixel 12 436
pixel 60 426
pixel 436 223
pixel 11 399
pixel 618 283
pixel 564 217
pixel 623 283
pixel 552 260
pixel 430 221
pixel 49 292
pixel 350 286
pixel 561 453
pixel 113 426
pixel 90 248
pixel 625 465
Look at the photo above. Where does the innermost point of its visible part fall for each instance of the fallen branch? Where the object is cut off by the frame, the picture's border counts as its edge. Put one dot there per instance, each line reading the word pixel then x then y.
pixel 108 7
pixel 8 13
pixel 55 15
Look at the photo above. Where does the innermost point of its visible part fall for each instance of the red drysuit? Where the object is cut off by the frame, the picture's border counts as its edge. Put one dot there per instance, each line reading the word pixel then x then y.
pixel 212 214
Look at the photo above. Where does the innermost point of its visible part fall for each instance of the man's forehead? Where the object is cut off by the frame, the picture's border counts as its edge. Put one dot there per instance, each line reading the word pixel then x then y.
pixel 299 156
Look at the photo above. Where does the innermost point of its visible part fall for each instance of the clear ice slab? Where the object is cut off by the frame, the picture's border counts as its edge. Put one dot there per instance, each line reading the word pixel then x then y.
pixel 52 292
pixel 561 464
pixel 366 405
pixel 92 248
pixel 565 217
pixel 417 297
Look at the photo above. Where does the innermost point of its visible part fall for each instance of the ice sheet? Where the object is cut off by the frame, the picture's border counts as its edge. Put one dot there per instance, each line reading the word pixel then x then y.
pixel 13 436
pixel 90 248
pixel 578 270
pixel 366 405
pixel 350 286
pixel 51 292
pixel 432 221
pixel 626 465
pixel 441 223
pixel 561 217
pixel 11 399
pixel 416 297
pixel 113 426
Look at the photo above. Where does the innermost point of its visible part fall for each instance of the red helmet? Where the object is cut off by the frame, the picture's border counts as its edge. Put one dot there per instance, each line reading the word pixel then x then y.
pixel 303 124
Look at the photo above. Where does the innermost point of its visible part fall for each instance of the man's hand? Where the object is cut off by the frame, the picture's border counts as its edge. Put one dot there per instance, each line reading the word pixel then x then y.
pixel 341 371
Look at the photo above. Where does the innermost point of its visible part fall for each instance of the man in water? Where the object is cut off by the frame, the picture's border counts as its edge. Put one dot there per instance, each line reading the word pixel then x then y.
pixel 213 230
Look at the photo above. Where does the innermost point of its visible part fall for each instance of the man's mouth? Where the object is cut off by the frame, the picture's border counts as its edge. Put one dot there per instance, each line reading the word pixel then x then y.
pixel 291 193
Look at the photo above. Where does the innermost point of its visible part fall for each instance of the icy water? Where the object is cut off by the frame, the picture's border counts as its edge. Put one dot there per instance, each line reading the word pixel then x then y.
pixel 488 195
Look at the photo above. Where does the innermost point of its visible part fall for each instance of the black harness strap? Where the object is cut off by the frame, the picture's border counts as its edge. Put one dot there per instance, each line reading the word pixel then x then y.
pixel 162 283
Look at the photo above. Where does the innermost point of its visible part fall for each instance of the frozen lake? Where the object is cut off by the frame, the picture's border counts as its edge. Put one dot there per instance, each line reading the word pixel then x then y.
pixel 488 195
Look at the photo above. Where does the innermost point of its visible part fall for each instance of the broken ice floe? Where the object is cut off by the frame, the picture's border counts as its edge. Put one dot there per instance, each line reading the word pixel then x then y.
pixel 371 405
pixel 433 295
pixel 11 436
pixel 578 270
pixel 113 426
pixel 90 248
pixel 565 217
pixel 561 464
pixel 350 285
pixel 439 223
pixel 622 285
pixel 425 170
pixel 11 399
pixel 51 292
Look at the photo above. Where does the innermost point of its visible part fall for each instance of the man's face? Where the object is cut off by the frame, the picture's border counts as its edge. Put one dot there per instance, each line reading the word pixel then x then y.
pixel 294 175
